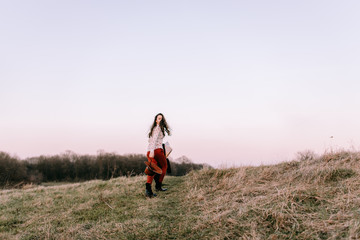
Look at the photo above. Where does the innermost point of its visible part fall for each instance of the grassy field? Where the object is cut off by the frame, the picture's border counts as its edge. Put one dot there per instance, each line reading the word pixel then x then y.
pixel 309 198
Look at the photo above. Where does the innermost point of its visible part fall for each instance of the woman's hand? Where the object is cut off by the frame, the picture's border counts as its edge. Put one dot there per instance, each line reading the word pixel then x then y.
pixel 151 154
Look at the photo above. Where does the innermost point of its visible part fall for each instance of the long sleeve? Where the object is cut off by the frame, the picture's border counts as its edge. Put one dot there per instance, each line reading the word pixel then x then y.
pixel 154 139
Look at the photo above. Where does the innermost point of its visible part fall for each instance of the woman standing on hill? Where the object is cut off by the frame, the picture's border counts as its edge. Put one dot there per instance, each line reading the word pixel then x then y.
pixel 156 154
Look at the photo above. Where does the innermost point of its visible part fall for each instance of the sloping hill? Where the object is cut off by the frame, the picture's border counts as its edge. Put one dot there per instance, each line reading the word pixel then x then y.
pixel 311 198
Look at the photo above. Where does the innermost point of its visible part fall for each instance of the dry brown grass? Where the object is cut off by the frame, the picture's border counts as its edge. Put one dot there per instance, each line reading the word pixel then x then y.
pixel 312 197
pixel 308 198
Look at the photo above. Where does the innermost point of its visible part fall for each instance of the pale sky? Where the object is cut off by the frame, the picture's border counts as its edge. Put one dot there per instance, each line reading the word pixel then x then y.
pixel 239 82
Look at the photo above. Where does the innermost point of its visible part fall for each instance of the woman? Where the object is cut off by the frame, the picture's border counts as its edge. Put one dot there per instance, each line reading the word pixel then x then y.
pixel 156 154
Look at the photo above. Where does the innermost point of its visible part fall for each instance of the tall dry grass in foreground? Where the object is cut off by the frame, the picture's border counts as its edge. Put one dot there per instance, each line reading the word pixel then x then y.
pixel 309 198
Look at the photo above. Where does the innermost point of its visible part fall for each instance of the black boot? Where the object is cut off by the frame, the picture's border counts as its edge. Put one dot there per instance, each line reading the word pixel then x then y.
pixel 159 188
pixel 158 184
pixel 148 192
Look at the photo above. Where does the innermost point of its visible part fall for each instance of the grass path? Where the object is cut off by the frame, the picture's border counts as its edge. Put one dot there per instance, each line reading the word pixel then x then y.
pixel 167 213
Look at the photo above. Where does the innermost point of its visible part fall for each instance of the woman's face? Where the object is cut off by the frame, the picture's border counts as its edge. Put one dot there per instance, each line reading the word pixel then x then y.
pixel 158 119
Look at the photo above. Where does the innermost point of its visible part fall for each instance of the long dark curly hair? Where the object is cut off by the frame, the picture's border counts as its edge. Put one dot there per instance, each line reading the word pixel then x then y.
pixel 163 125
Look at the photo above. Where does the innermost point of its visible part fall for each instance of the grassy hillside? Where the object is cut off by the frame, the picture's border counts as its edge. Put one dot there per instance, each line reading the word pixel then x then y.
pixel 310 198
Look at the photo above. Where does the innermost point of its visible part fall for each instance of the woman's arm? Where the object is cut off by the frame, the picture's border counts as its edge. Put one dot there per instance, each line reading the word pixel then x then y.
pixel 153 139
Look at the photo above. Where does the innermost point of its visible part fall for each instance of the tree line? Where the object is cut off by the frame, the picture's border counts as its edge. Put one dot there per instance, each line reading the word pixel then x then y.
pixel 72 167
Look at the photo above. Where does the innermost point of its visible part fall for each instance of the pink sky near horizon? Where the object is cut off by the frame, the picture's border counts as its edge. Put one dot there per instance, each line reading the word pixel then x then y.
pixel 240 83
